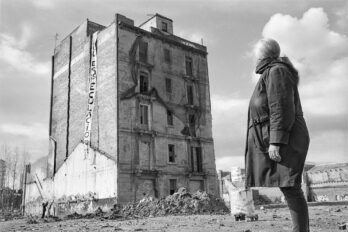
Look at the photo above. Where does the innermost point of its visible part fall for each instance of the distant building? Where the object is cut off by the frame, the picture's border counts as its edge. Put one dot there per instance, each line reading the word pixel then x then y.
pixel 319 183
pixel 328 182
pixel 237 174
pixel 2 173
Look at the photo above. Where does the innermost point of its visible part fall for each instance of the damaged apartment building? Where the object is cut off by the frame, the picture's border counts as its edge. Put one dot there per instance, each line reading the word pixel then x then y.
pixel 130 116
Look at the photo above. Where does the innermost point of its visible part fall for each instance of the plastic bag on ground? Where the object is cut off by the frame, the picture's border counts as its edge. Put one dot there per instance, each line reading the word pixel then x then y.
pixel 241 200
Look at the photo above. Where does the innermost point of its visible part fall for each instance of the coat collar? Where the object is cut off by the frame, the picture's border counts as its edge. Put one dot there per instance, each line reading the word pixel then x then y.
pixel 269 62
pixel 263 64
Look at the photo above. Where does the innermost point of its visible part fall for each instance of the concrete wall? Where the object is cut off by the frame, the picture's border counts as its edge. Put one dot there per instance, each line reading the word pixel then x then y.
pixel 329 192
pixel 80 175
pixel 328 182
pixel 80 179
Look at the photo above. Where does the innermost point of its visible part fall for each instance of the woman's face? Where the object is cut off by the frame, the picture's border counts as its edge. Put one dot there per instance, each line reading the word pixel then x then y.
pixel 258 53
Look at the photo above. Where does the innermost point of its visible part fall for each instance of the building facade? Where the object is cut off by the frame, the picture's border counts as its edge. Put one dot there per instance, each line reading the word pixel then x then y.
pixel 130 113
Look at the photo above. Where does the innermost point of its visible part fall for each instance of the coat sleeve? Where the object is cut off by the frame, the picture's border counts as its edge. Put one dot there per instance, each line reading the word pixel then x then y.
pixel 280 94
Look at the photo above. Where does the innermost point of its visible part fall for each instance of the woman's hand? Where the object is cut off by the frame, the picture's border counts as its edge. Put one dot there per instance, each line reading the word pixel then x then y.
pixel 273 152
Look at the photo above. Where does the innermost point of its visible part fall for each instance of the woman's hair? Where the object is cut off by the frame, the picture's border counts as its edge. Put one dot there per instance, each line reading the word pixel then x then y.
pixel 267 48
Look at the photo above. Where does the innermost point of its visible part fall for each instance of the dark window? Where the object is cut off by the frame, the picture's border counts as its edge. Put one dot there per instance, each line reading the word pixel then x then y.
pixel 172 186
pixel 144 114
pixel 188 64
pixel 166 55
pixel 143 51
pixel 190 94
pixel 192 124
pixel 192 120
pixel 169 85
pixel 196 159
pixel 170 118
pixel 171 153
pixel 144 83
pixel 164 26
pixel 199 159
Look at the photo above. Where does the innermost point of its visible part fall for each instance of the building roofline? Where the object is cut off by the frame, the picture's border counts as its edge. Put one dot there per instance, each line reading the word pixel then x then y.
pixel 75 29
pixel 173 39
pixel 153 17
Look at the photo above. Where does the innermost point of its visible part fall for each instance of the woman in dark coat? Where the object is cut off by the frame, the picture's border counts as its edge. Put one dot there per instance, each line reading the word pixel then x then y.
pixel 277 137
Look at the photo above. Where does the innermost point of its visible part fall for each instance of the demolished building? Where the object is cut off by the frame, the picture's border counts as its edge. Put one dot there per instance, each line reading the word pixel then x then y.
pixel 130 117
pixel 328 182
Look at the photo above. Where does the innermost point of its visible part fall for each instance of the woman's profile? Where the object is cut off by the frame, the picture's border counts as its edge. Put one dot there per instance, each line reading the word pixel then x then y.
pixel 277 136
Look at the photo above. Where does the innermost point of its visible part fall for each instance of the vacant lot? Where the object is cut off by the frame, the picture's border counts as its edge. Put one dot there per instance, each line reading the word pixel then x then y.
pixel 323 218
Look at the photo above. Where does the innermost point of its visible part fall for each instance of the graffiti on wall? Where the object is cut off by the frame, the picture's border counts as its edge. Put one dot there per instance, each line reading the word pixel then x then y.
pixel 343 197
pixel 321 198
pixel 92 89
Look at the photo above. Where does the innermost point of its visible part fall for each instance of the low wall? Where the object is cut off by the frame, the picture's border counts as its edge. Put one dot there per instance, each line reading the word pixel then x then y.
pixel 81 185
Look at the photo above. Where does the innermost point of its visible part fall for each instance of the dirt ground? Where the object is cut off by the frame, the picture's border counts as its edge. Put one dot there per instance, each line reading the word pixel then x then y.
pixel 323 218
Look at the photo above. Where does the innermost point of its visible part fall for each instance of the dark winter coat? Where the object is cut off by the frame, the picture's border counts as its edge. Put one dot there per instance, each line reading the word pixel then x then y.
pixel 275 117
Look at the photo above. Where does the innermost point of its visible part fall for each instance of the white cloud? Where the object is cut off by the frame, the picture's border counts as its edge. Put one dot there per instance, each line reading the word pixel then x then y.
pixel 229 126
pixel 13 53
pixel 324 146
pixel 227 162
pixel 35 131
pixel 43 4
pixel 321 56
pixel 342 17
pixel 228 114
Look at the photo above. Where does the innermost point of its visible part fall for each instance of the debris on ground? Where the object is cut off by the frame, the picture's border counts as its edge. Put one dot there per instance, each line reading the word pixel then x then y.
pixel 32 220
pixel 6 215
pixel 36 220
pixel 180 203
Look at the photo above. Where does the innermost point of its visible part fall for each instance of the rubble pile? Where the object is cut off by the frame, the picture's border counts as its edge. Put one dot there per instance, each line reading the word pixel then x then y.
pixel 180 203
pixel 6 215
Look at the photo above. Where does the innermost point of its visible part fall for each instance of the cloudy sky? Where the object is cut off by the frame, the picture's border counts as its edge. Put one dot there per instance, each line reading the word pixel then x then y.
pixel 314 34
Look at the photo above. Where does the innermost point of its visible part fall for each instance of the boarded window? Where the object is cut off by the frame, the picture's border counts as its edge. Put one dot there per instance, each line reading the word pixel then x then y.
pixel 171 153
pixel 144 83
pixel 196 159
pixel 190 94
pixel 172 186
pixel 143 51
pixel 170 118
pixel 169 85
pixel 188 64
pixel 166 55
pixel 164 26
pixel 144 114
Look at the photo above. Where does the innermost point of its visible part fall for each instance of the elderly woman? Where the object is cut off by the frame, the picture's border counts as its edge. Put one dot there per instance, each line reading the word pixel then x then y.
pixel 277 137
